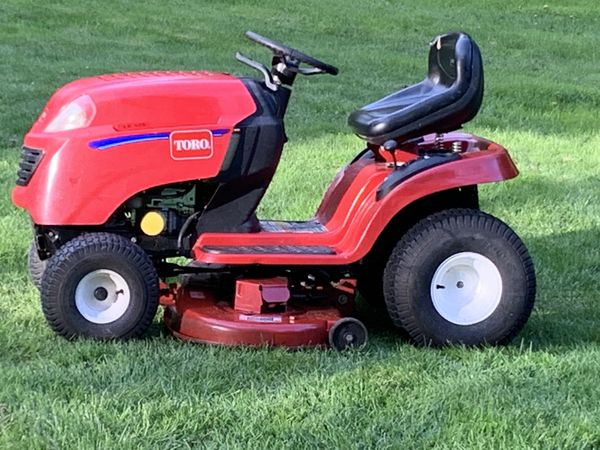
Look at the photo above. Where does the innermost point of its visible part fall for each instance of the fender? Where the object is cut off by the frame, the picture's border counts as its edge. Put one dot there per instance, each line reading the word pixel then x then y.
pixel 487 166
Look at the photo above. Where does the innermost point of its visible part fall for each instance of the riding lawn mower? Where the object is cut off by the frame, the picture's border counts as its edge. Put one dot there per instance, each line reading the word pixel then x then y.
pixel 123 173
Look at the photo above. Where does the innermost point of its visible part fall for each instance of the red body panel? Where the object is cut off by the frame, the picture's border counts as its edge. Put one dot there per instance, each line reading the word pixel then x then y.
pixel 353 217
pixel 76 184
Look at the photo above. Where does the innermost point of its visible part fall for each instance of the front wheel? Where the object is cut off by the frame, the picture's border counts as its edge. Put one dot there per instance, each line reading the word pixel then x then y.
pixel 35 265
pixel 100 285
pixel 460 277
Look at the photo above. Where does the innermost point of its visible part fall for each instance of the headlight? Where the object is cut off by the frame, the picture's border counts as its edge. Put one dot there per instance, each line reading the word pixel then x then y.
pixel 77 114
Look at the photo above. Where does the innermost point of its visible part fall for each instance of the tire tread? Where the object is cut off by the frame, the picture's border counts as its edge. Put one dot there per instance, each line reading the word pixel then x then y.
pixel 399 265
pixel 88 244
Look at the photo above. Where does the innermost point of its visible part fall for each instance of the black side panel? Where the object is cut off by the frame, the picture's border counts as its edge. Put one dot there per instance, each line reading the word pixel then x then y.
pixel 232 207
pixel 249 165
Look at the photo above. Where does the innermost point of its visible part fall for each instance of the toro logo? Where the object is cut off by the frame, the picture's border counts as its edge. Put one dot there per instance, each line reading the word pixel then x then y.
pixel 191 144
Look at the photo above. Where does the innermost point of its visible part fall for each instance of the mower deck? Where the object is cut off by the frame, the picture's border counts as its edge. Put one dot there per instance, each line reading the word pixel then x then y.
pixel 261 314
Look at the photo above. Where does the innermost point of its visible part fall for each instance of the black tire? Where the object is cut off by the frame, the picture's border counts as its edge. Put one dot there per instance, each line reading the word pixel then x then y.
pixel 424 248
pixel 348 333
pixel 35 266
pixel 84 256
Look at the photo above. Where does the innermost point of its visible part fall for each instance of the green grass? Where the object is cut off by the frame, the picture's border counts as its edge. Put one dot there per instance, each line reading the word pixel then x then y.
pixel 542 102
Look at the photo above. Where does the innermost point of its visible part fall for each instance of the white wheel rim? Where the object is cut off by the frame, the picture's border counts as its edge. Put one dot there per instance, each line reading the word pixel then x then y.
pixel 466 288
pixel 102 296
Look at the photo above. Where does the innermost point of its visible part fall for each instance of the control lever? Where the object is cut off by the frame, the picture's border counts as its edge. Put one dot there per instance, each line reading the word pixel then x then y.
pixel 260 67
pixel 391 146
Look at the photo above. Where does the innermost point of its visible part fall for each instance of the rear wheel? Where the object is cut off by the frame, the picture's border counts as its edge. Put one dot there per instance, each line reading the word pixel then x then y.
pixel 35 266
pixel 100 285
pixel 460 276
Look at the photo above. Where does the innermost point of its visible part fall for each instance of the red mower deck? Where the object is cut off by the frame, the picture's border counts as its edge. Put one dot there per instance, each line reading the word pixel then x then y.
pixel 196 313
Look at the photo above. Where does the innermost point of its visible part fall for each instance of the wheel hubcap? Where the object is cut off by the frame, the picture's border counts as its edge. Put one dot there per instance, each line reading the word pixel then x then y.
pixel 466 288
pixel 102 296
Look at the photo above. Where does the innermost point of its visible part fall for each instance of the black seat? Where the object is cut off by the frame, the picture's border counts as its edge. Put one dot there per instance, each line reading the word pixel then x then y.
pixel 449 97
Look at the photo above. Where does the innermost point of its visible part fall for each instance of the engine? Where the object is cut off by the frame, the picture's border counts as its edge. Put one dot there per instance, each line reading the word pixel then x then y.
pixel 160 217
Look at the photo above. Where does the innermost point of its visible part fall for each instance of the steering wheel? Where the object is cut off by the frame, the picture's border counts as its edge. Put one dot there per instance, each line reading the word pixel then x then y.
pixel 282 50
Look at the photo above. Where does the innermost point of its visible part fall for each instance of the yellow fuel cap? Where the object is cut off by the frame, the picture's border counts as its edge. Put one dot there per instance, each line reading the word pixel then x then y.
pixel 153 223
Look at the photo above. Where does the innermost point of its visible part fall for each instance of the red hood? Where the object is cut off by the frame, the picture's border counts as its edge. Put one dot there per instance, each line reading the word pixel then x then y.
pixel 179 95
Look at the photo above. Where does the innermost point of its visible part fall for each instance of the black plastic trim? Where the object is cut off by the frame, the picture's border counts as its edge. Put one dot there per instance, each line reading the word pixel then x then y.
pixel 249 165
pixel 366 153
pixel 269 249
pixel 30 160
pixel 403 173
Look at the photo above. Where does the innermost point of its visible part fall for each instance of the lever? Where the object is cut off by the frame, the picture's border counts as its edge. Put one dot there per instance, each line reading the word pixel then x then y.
pixel 391 146
pixel 260 67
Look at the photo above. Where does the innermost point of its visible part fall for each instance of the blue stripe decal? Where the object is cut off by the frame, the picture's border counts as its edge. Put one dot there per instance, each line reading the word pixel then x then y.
pixel 104 144
pixel 220 132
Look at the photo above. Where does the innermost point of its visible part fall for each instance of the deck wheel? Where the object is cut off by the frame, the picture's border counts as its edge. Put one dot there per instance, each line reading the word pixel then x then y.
pixel 348 333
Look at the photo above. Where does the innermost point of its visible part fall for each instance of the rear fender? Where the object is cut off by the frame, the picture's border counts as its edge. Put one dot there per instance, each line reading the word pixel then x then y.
pixel 373 216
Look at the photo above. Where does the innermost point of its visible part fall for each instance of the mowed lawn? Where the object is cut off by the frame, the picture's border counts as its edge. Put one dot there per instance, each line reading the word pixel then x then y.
pixel 542 62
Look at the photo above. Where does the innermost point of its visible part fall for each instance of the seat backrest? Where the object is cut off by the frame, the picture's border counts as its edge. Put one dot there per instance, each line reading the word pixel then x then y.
pixel 451 60
pixel 449 96
pixel 455 61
